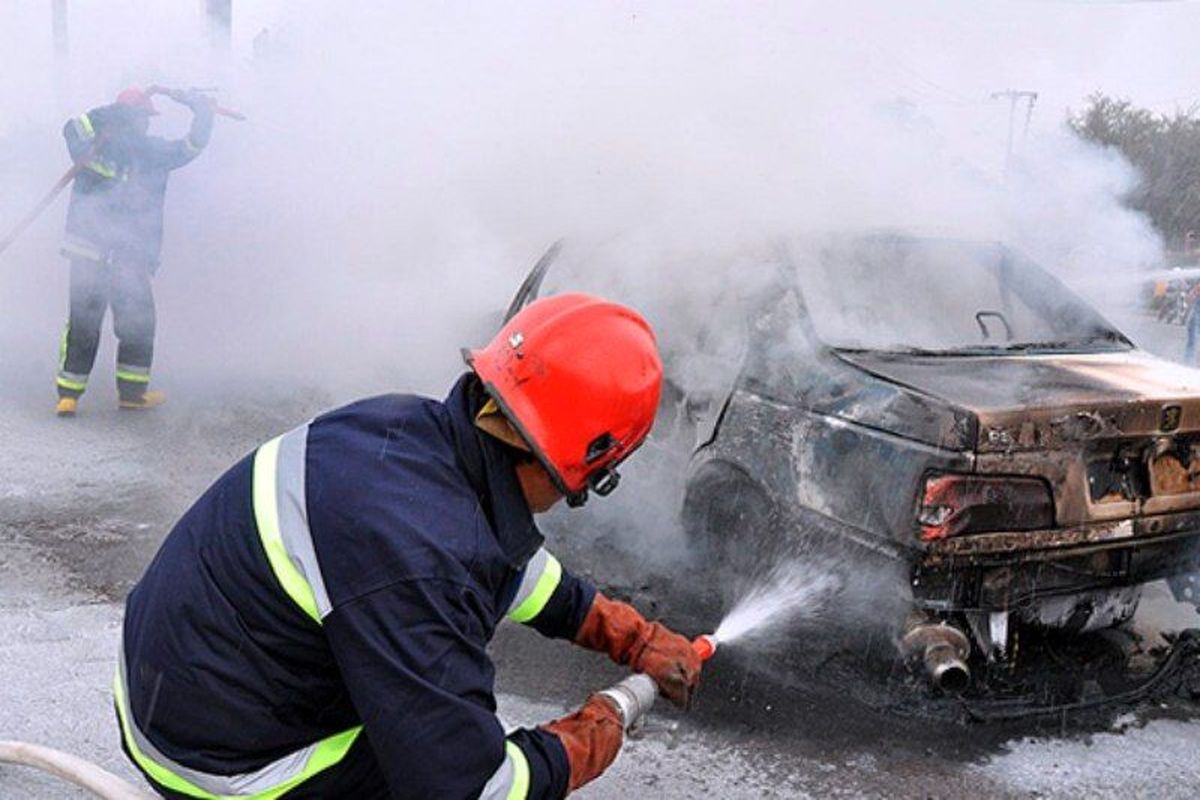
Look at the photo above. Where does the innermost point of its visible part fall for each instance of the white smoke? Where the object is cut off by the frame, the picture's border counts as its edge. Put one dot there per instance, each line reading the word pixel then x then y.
pixel 404 164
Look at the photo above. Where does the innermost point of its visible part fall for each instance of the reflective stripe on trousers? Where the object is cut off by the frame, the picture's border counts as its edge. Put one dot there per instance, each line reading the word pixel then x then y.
pixel 132 373
pixel 71 381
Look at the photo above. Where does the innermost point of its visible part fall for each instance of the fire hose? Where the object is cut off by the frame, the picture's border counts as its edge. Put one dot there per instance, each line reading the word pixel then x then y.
pixel 84 774
pixel 219 110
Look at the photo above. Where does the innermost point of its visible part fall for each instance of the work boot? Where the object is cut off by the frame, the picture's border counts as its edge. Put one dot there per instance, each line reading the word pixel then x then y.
pixel 147 400
pixel 67 406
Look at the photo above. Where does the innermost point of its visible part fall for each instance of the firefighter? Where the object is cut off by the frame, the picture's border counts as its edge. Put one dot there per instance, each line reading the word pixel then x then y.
pixel 316 624
pixel 114 235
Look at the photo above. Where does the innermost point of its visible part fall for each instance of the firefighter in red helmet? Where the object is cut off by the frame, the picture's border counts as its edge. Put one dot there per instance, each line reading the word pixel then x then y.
pixel 317 624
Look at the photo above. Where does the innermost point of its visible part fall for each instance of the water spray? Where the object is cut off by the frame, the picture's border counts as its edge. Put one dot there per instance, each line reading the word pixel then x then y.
pixel 791 590
pixel 634 696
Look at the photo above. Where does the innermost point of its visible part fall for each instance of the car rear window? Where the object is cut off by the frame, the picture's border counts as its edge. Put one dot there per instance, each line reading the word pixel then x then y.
pixel 903 294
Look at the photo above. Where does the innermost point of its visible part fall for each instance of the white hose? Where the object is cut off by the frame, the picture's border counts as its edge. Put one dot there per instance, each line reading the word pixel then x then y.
pixel 99 782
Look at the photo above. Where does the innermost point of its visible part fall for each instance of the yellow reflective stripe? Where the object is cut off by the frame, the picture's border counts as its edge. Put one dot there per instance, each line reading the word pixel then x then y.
pixel 266 517
pixel 327 753
pixel 62 347
pixel 86 122
pixel 132 377
pixel 547 583
pixel 101 169
pixel 74 386
pixel 161 775
pixel 520 784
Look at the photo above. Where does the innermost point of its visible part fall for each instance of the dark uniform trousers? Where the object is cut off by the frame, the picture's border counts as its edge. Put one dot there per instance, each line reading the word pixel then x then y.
pixel 124 284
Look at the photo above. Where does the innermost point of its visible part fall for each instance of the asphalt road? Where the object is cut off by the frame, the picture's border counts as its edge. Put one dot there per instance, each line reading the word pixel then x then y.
pixel 83 504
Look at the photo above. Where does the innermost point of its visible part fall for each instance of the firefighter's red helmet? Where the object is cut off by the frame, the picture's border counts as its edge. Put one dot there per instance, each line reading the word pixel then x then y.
pixel 136 98
pixel 579 377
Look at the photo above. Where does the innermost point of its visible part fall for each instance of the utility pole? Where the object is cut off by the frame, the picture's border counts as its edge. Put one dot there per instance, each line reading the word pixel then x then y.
pixel 1015 96
pixel 220 22
pixel 58 11
pixel 62 54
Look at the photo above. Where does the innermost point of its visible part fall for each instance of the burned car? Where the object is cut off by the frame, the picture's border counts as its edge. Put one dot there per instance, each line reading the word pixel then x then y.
pixel 953 409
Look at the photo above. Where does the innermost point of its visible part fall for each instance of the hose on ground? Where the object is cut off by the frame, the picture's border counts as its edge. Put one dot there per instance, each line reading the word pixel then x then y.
pixel 85 774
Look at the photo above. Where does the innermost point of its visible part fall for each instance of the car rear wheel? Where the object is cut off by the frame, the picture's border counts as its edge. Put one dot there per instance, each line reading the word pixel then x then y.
pixel 732 525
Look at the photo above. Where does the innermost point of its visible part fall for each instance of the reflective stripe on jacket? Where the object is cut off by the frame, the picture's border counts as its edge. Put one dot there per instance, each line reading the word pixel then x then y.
pixel 389 538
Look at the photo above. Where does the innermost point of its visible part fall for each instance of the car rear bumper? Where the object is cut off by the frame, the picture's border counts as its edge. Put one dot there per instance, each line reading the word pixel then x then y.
pixel 1005 570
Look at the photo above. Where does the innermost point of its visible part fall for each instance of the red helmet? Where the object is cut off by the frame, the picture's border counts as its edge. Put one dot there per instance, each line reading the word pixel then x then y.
pixel 579 378
pixel 136 98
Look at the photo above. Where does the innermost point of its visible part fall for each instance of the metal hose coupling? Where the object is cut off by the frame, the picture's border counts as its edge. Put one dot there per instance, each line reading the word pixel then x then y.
pixel 634 696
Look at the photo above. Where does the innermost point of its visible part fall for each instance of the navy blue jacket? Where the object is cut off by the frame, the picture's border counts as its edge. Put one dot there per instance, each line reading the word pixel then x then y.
pixel 422 535
pixel 118 196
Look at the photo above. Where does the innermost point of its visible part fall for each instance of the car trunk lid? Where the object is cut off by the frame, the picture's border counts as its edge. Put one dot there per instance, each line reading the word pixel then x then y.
pixel 1116 434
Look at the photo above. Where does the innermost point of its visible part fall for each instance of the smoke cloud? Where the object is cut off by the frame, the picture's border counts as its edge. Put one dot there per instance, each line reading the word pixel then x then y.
pixel 404 164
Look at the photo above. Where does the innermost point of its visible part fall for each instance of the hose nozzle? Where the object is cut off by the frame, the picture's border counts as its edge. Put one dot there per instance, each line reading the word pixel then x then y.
pixel 634 696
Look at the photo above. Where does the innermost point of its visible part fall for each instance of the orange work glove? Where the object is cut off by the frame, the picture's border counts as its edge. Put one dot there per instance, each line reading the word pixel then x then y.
pixel 628 638
pixel 592 738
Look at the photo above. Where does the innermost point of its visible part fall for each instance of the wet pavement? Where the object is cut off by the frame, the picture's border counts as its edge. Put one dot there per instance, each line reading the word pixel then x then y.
pixel 83 504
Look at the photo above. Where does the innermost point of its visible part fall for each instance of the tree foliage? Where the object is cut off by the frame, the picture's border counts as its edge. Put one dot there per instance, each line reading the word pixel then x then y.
pixel 1164 148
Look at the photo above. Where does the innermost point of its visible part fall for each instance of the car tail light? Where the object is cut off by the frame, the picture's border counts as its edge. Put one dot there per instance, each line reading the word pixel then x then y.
pixel 957 504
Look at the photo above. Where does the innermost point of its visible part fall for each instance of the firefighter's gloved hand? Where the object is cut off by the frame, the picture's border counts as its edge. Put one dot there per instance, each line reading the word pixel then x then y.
pixel 592 737
pixel 618 629
pixel 671 661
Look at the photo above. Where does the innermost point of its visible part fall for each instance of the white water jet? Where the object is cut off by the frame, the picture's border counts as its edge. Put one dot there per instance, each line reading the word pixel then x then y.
pixel 791 591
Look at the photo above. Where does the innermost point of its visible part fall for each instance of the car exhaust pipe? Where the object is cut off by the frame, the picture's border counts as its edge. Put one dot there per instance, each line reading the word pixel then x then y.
pixel 943 649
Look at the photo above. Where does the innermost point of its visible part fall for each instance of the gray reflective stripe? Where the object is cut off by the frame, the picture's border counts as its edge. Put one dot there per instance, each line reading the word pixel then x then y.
pixel 529 581
pixel 510 781
pixel 501 781
pixel 293 513
pixel 191 147
pixel 73 377
pixel 246 784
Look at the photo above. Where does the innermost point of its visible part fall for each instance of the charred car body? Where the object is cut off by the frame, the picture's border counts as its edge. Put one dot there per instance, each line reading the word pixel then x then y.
pixel 953 408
